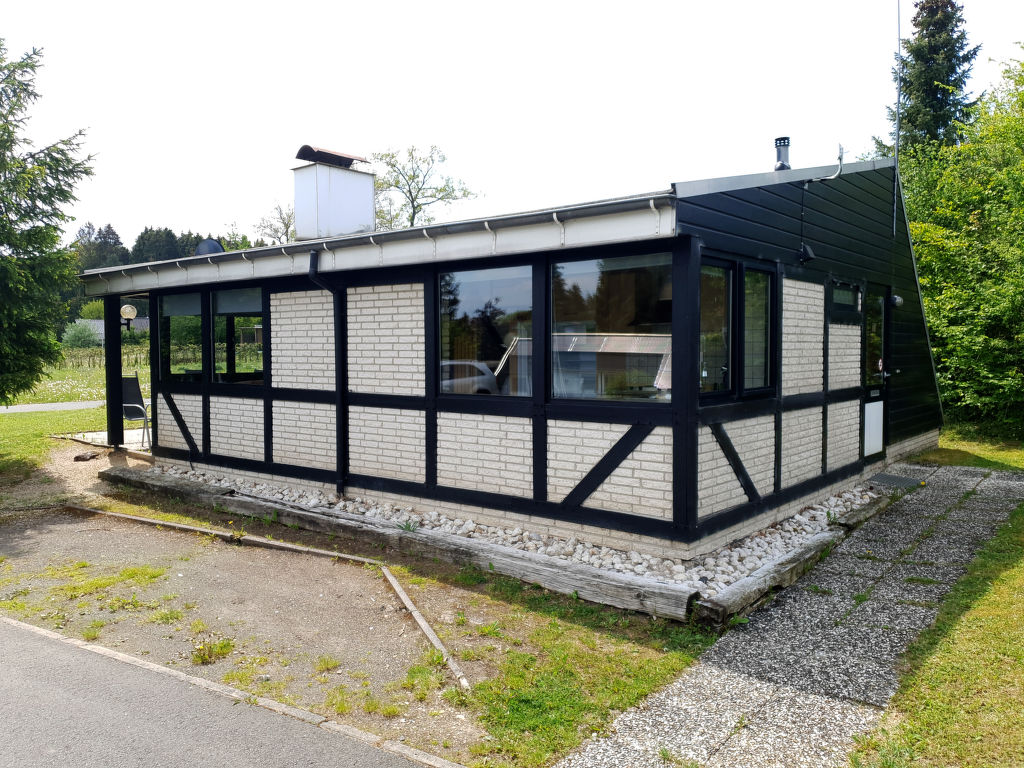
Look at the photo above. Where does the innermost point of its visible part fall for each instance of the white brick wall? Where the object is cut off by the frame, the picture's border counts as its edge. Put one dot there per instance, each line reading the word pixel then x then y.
pixel 191 408
pixel 574 447
pixel 754 441
pixel 302 340
pixel 305 434
pixel 843 433
pixel 485 453
pixel 642 484
pixel 803 337
pixel 385 339
pixel 801 445
pixel 236 427
pixel 387 442
pixel 717 486
pixel 843 356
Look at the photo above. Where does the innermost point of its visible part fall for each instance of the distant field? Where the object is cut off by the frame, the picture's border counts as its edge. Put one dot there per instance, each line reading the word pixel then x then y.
pixel 65 384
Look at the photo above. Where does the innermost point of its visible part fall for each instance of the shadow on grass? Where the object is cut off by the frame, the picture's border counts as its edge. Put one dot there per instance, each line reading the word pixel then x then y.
pixel 962 458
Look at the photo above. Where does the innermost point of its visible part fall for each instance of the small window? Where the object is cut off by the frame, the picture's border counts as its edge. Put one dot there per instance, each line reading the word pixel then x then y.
pixel 715 329
pixel 181 348
pixel 846 297
pixel 238 336
pixel 756 329
pixel 486 331
pixel 612 328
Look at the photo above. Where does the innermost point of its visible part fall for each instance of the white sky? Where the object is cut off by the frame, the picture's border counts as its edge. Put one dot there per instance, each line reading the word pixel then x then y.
pixel 195 110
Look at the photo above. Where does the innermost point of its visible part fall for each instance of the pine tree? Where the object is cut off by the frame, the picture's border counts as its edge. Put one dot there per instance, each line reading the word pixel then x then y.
pixel 35 186
pixel 933 77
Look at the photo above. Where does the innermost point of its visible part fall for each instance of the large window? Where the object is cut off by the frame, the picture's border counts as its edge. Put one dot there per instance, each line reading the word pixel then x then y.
pixel 486 331
pixel 612 328
pixel 238 336
pixel 715 329
pixel 181 348
pixel 736 333
pixel 757 303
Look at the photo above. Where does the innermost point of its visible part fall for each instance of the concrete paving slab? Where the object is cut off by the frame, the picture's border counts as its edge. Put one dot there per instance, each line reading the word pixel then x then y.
pixel 943 550
pixel 838 584
pixel 883 549
pixel 894 615
pixel 843 562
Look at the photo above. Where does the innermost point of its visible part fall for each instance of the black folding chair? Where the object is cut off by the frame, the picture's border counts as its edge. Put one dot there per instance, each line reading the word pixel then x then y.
pixel 133 406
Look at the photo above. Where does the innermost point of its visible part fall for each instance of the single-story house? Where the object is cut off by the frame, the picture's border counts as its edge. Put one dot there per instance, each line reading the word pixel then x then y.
pixel 665 372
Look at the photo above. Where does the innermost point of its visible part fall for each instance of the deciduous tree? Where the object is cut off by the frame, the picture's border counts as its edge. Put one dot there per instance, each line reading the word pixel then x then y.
pixel 35 186
pixel 408 183
pixel 279 226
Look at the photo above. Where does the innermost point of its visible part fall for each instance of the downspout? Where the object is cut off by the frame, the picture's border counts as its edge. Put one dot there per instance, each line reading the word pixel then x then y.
pixel 340 406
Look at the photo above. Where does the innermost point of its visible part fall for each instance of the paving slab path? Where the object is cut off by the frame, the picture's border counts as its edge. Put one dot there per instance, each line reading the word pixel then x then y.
pixel 818 665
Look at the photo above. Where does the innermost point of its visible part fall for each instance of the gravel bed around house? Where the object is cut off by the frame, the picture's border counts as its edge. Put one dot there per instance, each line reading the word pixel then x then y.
pixel 707 575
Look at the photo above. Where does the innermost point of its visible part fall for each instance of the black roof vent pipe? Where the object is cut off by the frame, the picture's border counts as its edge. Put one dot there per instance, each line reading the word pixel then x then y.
pixel 782 153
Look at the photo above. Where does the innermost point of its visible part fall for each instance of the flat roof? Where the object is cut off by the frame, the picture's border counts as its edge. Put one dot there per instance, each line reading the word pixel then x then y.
pixel 633 217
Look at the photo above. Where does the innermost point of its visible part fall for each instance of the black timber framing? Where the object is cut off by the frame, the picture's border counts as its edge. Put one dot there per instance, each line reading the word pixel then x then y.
pixel 112 369
pixel 847 221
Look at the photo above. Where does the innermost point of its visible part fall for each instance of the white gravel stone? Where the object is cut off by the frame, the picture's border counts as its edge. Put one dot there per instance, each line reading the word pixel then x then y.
pixel 709 575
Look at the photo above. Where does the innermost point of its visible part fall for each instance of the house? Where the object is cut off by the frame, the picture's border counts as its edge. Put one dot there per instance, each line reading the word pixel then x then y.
pixel 665 372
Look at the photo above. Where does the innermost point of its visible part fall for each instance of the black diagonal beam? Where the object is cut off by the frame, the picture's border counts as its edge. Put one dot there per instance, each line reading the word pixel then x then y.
pixel 617 454
pixel 193 449
pixel 718 430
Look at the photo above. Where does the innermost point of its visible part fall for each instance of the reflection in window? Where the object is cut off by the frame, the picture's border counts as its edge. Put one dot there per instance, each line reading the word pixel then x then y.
pixel 181 349
pixel 846 297
pixel 486 331
pixel 715 331
pixel 238 336
pixel 612 328
pixel 756 329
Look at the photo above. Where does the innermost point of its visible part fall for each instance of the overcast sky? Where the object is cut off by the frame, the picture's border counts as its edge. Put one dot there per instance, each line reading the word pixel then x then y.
pixel 195 110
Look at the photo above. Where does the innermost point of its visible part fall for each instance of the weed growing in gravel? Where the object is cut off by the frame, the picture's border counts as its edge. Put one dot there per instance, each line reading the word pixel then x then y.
pixel 117 604
pixel 80 587
pixel 426 676
pixel 409 526
pixel 92 632
pixel 920 580
pixel 245 671
pixel 862 597
pixel 197 627
pixel 371 703
pixel 326 664
pixel 819 590
pixel 214 650
pixel 166 616
pixel 338 700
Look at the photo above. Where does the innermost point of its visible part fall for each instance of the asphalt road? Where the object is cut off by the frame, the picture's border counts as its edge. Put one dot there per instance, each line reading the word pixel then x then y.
pixel 65 706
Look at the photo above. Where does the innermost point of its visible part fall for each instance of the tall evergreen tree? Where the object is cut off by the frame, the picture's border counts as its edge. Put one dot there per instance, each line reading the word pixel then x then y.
pixel 933 76
pixel 36 184
pixel 155 245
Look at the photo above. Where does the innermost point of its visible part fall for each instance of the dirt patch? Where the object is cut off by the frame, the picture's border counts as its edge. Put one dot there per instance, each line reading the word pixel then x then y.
pixel 327 635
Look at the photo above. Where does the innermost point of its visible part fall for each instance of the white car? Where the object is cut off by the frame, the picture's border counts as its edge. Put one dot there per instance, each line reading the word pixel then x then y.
pixel 467 377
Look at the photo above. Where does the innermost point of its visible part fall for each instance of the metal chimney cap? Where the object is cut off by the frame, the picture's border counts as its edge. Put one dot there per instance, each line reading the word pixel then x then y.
pixel 328 157
pixel 782 153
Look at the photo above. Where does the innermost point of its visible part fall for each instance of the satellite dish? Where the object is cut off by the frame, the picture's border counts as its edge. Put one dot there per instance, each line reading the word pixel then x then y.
pixel 208 246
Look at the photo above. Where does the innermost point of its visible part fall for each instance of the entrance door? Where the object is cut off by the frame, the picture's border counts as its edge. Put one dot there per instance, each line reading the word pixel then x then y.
pixel 876 368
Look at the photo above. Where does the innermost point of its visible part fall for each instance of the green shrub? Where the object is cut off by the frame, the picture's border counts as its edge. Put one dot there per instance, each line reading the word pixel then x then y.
pixel 80 336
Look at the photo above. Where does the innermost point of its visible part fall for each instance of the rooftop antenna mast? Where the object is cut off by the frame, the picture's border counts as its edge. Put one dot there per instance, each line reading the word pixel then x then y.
pixel 899 97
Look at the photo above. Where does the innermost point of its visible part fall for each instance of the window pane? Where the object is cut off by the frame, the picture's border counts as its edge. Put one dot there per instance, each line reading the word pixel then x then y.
pixel 715 331
pixel 612 328
pixel 486 331
pixel 181 351
pixel 756 330
pixel 846 297
pixel 238 336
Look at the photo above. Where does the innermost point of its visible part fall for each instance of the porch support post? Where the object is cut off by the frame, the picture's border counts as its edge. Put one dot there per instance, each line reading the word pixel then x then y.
pixel 112 363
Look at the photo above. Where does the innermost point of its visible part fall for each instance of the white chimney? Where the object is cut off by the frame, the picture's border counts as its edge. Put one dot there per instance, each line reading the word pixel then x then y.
pixel 332 198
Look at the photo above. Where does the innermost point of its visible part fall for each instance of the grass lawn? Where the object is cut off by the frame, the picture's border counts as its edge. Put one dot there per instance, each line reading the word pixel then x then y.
pixel 66 385
pixel 961 445
pixel 24 444
pixel 959 702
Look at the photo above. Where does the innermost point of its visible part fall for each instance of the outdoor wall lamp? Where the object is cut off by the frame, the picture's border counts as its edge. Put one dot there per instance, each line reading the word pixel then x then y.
pixel 128 313
pixel 897 301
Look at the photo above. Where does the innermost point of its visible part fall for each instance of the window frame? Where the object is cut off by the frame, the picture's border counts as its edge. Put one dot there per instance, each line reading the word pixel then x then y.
pixel 598 254
pixel 205 379
pixel 738 390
